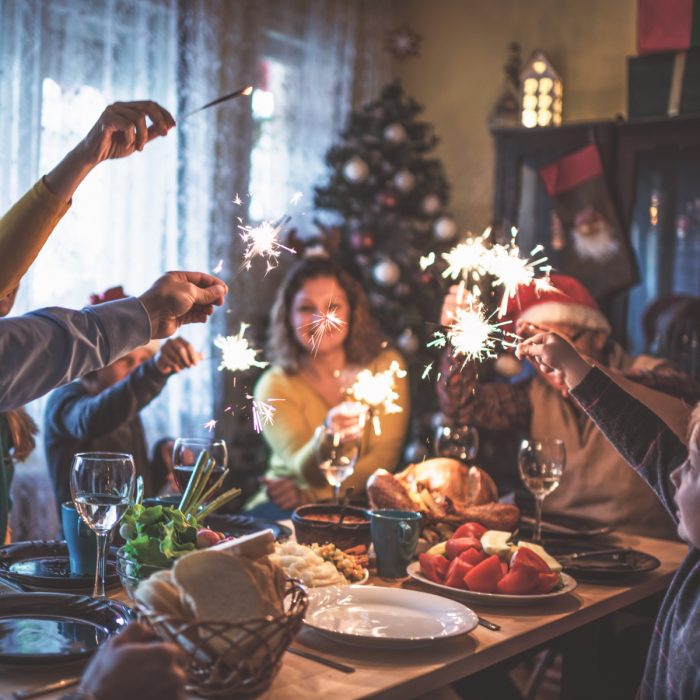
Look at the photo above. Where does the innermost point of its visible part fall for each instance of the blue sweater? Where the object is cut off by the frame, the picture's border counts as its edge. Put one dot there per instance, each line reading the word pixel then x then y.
pixel 651 448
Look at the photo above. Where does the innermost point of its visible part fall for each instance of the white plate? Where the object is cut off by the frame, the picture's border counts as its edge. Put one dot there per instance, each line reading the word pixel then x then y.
pixel 385 617
pixel 493 598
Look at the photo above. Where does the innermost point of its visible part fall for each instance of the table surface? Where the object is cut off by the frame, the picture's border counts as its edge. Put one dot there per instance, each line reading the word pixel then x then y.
pixel 411 672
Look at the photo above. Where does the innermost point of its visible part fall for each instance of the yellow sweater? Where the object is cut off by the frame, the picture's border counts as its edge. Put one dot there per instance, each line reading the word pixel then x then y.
pixel 23 231
pixel 302 410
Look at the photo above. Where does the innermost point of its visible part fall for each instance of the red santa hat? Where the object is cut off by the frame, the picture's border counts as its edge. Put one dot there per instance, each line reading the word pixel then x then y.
pixel 565 300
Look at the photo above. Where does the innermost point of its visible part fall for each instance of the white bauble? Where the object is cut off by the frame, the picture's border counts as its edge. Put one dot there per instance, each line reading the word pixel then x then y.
pixel 386 273
pixel 431 204
pixel 395 133
pixel 408 341
pixel 445 228
pixel 355 170
pixel 404 181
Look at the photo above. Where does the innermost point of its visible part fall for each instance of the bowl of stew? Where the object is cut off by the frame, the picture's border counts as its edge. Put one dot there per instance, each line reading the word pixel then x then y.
pixel 319 523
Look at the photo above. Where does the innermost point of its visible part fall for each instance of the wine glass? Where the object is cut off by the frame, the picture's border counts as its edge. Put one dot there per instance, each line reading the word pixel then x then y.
pixel 337 453
pixel 457 441
pixel 101 484
pixel 541 464
pixel 186 452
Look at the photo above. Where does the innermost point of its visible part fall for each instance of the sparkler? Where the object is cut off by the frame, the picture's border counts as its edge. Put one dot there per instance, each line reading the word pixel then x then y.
pixel 471 333
pixel 510 270
pixel 210 425
pixel 263 412
pixel 377 390
pixel 247 90
pixel 263 241
pixel 219 267
pixel 295 198
pixel 471 257
pixel 236 354
pixel 237 200
pixel 325 321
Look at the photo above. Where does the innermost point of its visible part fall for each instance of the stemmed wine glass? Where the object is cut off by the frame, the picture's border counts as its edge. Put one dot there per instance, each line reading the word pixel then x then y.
pixel 186 452
pixel 457 441
pixel 101 484
pixel 541 464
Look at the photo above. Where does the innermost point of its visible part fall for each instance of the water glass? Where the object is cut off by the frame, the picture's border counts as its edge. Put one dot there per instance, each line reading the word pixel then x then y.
pixel 541 464
pixel 457 441
pixel 102 484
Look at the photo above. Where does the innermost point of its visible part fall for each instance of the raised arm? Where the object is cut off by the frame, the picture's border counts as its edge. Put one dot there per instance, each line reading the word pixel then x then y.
pixel 47 348
pixel 120 130
pixel 91 416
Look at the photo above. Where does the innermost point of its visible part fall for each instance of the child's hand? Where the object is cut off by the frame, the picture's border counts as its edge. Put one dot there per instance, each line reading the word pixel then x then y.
pixel 552 354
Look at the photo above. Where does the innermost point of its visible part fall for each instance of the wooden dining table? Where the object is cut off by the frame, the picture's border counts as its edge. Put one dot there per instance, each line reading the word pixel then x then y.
pixel 408 673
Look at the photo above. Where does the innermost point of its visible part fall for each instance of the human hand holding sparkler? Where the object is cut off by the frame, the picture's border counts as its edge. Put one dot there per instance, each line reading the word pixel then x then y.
pixel 347 419
pixel 120 130
pixel 554 355
pixel 178 298
pixel 176 354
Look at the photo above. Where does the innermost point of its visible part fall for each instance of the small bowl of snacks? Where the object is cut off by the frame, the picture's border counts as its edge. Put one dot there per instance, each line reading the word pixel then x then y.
pixel 318 523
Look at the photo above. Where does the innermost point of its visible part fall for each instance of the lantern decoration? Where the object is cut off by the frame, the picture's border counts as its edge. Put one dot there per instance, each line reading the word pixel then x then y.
pixel 542 90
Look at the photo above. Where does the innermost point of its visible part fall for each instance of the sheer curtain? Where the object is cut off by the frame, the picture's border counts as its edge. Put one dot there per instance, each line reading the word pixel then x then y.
pixel 172 206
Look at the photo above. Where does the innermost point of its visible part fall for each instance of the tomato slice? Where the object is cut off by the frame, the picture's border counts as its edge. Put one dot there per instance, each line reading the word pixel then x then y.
pixel 455 546
pixel 520 581
pixel 472 556
pixel 526 557
pixel 472 529
pixel 484 577
pixel 546 582
pixel 433 566
pixel 458 569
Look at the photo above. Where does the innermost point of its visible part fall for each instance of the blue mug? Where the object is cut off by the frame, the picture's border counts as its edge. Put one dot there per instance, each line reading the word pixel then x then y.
pixel 394 536
pixel 81 541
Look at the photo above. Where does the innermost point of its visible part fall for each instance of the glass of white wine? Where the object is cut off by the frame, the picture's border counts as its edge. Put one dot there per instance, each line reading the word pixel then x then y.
pixel 101 484
pixel 337 455
pixel 541 464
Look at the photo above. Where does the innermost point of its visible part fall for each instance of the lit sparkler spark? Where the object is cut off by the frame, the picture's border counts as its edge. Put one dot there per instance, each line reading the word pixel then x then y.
pixel 236 354
pixel 511 271
pixel 210 425
pixel 295 198
pixel 471 257
pixel 377 390
pixel 471 333
pixel 263 241
pixel 263 412
pixel 426 260
pixel 327 321
pixel 426 371
pixel 237 200
pixel 219 267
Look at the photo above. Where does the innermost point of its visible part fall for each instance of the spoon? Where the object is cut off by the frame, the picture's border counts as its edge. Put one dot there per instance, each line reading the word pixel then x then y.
pixel 344 505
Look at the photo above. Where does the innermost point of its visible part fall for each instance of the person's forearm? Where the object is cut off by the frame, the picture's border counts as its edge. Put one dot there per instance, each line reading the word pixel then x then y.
pixel 92 416
pixel 65 178
pixel 50 347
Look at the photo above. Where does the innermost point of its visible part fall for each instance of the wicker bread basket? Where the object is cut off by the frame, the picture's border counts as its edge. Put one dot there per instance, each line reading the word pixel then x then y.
pixel 233 659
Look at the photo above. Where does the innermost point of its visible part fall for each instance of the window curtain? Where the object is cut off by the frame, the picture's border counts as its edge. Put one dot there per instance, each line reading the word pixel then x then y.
pixel 172 206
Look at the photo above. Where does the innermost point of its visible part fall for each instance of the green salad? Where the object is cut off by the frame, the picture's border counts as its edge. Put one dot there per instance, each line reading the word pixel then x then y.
pixel 158 535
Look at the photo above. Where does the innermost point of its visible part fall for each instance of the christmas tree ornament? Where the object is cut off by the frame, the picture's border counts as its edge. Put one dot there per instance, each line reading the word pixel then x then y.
pixel 431 204
pixel 408 342
pixel 395 133
pixel 404 181
pixel 355 170
pixel 361 240
pixel 445 228
pixel 386 273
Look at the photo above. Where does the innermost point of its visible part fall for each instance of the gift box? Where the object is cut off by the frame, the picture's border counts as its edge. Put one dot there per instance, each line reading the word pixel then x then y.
pixel 667 25
pixel 663 84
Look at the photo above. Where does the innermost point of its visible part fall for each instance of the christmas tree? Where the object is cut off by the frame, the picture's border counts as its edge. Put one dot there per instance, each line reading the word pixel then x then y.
pixel 391 197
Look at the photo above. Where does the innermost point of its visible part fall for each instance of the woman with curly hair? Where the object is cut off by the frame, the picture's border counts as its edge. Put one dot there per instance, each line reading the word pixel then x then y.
pixel 309 376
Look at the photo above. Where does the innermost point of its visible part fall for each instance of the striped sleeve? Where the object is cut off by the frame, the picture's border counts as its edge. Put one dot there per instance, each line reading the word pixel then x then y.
pixel 637 433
